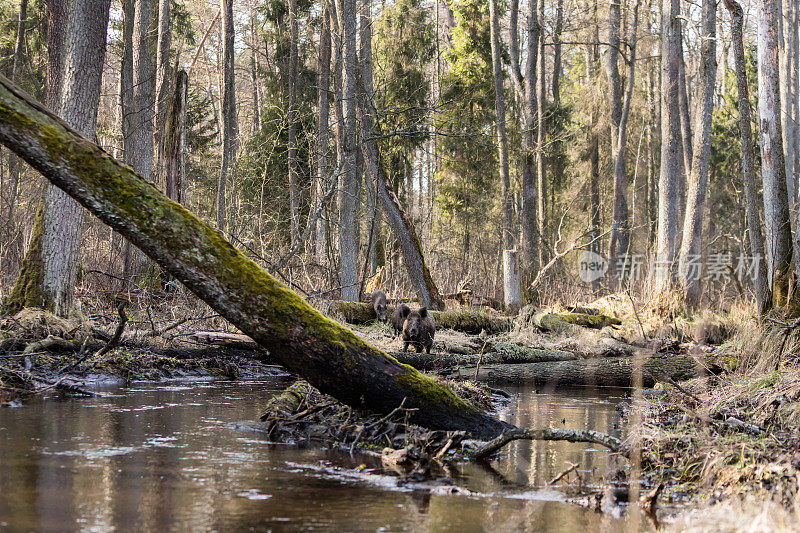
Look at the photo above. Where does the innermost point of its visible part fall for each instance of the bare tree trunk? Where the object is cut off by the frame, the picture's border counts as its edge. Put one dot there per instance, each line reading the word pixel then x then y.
pixel 294 174
pixel 559 25
pixel 174 141
pixel 500 113
pixel 375 248
pixel 530 238
pixel 620 230
pixel 788 98
pixel 671 153
pixel 592 68
pixel 698 184
pixel 323 114
pixel 773 170
pixel 686 125
pixel 351 184
pixel 541 130
pixel 140 145
pixel 75 67
pixel 760 281
pixel 229 133
pixel 254 68
pixel 163 77
pixel 12 236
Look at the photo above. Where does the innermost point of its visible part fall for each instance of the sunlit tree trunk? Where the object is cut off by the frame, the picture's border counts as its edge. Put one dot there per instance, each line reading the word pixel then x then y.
pixel 163 77
pixel 323 114
pixel 773 171
pixel 294 173
pixel 254 68
pixel 671 153
pixel 500 114
pixel 228 112
pixel 526 91
pixel 351 190
pixel 698 182
pixel 760 281
pixel 541 136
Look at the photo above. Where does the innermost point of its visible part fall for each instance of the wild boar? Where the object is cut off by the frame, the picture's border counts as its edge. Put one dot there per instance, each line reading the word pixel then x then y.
pixel 418 330
pixel 398 317
pixel 379 305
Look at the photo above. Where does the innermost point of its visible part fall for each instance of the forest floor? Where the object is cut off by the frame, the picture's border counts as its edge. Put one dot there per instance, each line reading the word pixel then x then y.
pixel 726 445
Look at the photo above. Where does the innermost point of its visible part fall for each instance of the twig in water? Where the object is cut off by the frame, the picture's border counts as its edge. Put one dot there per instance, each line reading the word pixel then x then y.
pixel 572 466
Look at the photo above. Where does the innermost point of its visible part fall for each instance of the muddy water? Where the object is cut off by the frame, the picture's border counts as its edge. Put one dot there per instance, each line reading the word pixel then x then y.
pixel 162 458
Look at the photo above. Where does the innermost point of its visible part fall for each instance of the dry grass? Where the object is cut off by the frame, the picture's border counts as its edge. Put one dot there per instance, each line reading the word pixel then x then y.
pixel 738 515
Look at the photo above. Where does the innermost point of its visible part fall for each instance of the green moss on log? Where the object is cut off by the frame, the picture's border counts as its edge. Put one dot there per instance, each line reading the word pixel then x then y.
pixel 467 320
pixel 29 290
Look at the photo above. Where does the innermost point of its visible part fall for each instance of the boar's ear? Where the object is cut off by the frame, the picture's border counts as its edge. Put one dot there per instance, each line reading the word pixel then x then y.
pixel 405 311
pixel 423 312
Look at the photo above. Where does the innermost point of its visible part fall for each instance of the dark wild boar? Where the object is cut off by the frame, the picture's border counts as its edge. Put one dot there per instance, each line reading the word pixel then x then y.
pixel 418 330
pixel 398 317
pixel 379 305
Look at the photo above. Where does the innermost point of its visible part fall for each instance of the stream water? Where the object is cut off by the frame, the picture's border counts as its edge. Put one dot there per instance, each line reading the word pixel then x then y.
pixel 162 457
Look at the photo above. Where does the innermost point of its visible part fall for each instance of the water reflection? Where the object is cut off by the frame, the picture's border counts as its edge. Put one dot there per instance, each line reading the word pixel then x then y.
pixel 162 458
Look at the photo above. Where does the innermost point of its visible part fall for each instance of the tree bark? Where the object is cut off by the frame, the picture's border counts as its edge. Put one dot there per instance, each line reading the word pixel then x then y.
pixel 761 282
pixel 330 357
pixel 671 153
pixel 229 133
pixel 350 196
pixel 541 139
pixel 254 68
pixel 139 146
pixel 500 114
pixel 174 141
pixel 698 183
pixel 75 67
pixel 773 171
pixel 512 293
pixel 294 163
pixel 526 90
pixel 620 111
pixel 163 76
pixel 323 114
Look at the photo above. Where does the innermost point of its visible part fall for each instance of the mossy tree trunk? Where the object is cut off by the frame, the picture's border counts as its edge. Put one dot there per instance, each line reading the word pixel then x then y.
pixel 330 357
pixel 50 268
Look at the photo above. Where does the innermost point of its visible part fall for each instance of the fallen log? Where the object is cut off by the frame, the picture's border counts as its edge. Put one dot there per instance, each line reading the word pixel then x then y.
pixel 602 371
pixel 221 338
pixel 330 357
pixel 517 354
pixel 466 320
pixel 557 321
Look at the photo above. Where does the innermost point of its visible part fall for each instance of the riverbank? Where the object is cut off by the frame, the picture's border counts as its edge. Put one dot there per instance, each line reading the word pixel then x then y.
pixel 711 442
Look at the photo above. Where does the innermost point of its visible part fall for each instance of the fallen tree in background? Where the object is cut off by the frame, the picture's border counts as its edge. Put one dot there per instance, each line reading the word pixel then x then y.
pixel 601 371
pixel 466 320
